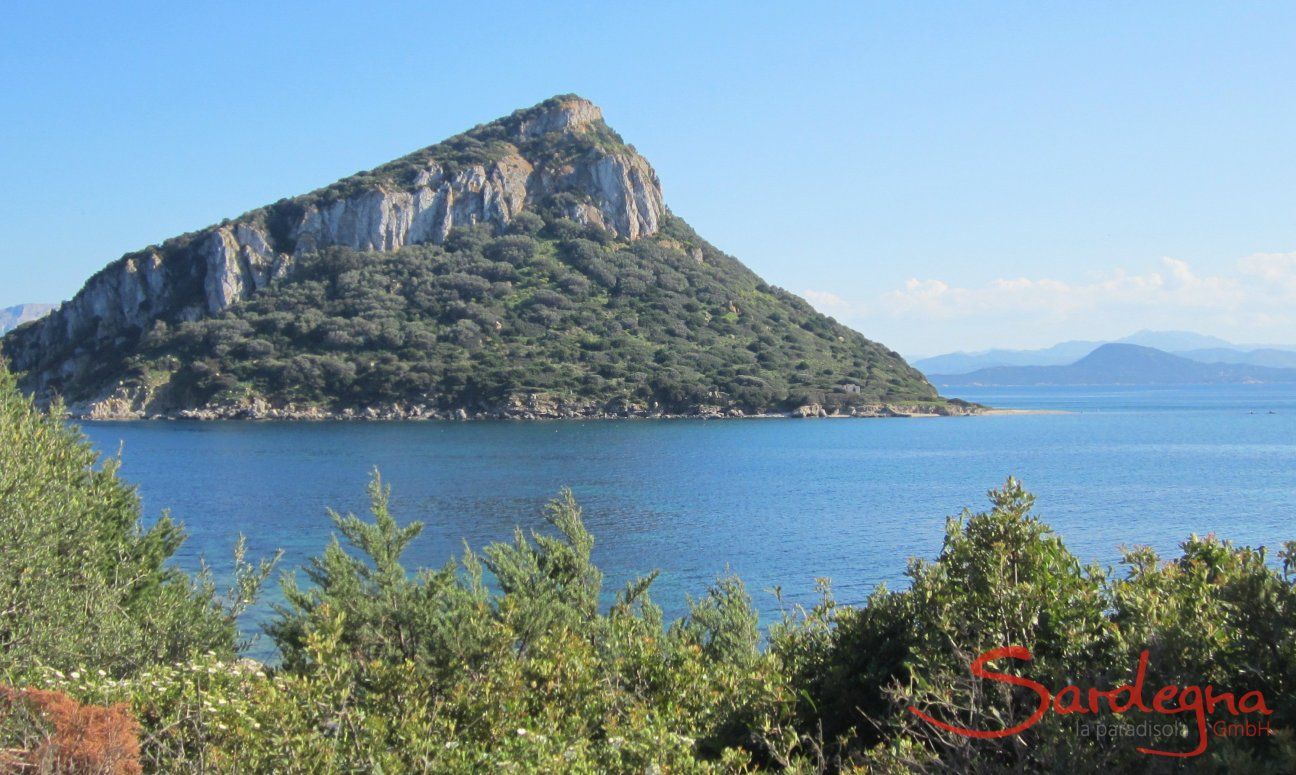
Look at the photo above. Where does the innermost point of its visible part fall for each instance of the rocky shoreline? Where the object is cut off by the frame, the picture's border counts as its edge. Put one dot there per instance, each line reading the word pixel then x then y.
pixel 139 402
pixel 258 409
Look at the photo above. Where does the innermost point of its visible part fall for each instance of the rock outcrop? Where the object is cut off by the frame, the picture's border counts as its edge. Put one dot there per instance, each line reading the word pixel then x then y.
pixel 438 201
pixel 559 147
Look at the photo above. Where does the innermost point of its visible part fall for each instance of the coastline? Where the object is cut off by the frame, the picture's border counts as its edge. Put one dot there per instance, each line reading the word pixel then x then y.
pixel 126 408
pixel 397 413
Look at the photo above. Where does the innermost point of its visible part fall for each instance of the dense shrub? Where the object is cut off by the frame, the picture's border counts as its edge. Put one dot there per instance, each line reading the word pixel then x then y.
pixel 502 660
pixel 1218 615
pixel 82 581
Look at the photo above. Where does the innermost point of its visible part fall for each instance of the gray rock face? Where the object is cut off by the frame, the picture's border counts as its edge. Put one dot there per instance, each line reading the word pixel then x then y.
pixel 206 272
pixel 126 293
pixel 626 196
pixel 390 219
pixel 238 261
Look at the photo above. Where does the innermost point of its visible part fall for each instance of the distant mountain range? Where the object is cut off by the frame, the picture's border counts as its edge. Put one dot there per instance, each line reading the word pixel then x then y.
pixel 12 317
pixel 1196 347
pixel 1268 356
pixel 1121 364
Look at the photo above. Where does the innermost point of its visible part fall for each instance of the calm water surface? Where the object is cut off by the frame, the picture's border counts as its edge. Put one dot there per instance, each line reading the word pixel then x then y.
pixel 780 502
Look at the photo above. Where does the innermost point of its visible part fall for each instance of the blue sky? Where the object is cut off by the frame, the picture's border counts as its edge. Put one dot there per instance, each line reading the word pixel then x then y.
pixel 940 176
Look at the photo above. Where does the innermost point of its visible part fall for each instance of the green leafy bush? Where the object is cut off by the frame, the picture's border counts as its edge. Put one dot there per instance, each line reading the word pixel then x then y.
pixel 1217 615
pixel 82 581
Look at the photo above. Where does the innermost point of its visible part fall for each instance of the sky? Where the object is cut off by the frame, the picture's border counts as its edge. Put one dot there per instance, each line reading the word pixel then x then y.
pixel 938 176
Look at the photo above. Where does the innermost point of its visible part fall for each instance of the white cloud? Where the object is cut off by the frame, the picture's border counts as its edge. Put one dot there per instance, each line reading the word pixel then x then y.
pixel 1278 270
pixel 826 301
pixel 1172 284
pixel 1253 301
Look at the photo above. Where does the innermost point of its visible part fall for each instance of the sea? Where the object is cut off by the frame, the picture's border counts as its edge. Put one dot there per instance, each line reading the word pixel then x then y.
pixel 782 503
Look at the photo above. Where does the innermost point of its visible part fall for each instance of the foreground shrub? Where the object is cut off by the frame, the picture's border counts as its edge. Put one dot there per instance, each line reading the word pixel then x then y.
pixel 532 673
pixel 81 580
pixel 385 672
pixel 1219 615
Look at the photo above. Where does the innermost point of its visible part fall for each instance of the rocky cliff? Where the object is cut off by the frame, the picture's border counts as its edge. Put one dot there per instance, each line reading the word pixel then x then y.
pixel 559 152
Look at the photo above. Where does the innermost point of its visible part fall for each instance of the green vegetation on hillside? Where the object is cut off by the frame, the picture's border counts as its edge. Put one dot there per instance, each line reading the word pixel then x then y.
pixel 511 660
pixel 554 309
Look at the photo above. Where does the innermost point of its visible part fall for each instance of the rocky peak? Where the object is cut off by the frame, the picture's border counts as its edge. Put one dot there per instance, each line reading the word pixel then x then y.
pixel 560 114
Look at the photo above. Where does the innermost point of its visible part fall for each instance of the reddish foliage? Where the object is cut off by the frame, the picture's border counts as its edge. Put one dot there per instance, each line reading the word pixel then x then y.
pixel 83 739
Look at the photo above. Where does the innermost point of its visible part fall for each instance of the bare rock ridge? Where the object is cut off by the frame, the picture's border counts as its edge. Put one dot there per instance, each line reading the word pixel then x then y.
pixel 485 176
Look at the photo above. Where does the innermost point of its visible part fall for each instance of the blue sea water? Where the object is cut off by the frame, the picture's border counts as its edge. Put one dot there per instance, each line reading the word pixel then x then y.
pixel 779 502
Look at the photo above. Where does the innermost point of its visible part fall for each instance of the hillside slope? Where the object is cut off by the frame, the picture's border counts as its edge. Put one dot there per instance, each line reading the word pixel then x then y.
pixel 527 268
